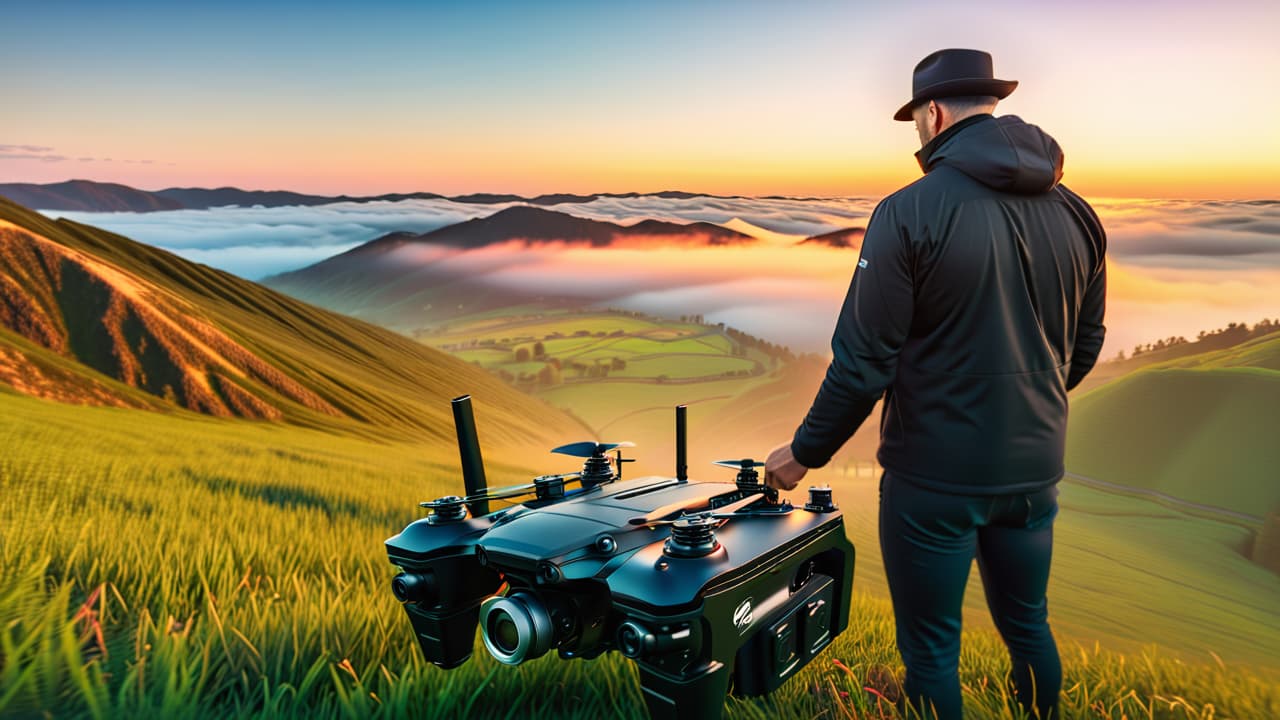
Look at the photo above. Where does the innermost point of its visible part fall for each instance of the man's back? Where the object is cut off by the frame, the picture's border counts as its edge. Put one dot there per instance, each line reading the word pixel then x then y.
pixel 1003 321
pixel 976 305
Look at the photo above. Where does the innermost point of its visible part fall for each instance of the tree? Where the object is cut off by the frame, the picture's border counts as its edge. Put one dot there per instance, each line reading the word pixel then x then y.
pixel 539 351
pixel 522 354
pixel 550 375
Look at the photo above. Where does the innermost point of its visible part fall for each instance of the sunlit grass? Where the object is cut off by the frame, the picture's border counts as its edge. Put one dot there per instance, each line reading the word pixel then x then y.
pixel 177 566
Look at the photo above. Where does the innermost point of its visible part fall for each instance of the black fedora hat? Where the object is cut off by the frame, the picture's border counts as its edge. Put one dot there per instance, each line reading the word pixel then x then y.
pixel 953 72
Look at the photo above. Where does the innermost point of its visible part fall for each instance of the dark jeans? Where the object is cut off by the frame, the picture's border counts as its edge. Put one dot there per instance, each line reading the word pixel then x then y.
pixel 928 540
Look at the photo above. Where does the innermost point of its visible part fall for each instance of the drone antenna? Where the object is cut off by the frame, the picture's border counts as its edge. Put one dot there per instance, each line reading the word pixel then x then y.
pixel 464 421
pixel 682 457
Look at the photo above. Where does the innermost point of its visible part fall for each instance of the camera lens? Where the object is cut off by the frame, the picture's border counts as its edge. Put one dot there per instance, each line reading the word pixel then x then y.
pixel 415 587
pixel 632 638
pixel 505 634
pixel 515 628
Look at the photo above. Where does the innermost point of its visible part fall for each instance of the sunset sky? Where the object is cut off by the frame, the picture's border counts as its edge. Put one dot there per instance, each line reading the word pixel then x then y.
pixel 1169 99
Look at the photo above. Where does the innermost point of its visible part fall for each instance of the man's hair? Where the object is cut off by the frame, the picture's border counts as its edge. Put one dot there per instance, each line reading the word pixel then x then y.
pixel 963 104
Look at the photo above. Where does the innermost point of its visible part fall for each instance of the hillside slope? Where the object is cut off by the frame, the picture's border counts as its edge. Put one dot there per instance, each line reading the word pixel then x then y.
pixel 91 317
pixel 1201 428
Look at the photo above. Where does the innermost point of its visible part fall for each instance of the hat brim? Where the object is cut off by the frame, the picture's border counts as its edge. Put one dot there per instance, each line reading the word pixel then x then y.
pixel 955 88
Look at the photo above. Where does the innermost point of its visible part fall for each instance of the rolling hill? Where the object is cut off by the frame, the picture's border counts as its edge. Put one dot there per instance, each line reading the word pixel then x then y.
pixel 91 317
pixel 1201 428
pixel 1175 349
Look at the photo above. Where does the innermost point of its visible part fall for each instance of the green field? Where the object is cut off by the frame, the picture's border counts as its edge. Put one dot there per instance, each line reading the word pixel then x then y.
pixel 183 566
pixel 653 349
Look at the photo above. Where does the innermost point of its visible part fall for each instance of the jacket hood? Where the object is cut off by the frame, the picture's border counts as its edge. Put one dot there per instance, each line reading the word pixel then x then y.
pixel 1003 152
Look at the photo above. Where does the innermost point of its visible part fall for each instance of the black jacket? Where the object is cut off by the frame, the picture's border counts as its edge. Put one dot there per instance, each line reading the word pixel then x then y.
pixel 976 305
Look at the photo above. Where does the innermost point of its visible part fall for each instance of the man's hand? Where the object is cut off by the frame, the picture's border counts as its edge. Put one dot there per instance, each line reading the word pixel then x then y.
pixel 781 470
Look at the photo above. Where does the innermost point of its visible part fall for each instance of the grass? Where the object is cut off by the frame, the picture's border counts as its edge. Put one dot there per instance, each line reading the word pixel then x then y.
pixel 1125 570
pixel 183 566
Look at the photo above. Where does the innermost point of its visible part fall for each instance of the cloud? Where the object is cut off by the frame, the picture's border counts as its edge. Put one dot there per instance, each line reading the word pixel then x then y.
pixel 1177 266
pixel 255 242
pixel 44 153
pixel 31 156
pixel 1221 235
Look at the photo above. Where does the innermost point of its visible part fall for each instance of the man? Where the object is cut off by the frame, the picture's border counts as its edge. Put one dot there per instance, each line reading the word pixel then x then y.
pixel 976 305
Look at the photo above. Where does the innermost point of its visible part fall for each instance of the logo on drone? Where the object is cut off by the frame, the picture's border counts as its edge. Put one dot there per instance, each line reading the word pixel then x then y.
pixel 742 616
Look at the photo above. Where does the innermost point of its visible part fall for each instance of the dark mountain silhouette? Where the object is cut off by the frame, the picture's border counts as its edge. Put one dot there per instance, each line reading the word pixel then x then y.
pixel 201 198
pixel 399 290
pixel 537 225
pixel 92 196
pixel 90 317
pixel 86 195
pixel 842 238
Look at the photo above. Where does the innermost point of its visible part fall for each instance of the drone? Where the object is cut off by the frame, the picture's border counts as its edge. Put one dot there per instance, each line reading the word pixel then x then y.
pixel 711 587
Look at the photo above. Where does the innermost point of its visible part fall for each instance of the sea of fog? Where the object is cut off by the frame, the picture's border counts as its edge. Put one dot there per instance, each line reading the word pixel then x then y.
pixel 1176 266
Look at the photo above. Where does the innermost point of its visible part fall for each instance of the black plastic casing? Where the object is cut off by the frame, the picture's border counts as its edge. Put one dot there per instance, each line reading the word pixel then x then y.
pixel 746 616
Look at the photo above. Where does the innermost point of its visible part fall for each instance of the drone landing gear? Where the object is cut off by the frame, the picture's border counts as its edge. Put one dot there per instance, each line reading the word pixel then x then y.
pixel 699 696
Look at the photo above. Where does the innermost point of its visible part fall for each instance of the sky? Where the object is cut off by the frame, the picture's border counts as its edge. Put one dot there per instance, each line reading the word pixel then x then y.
pixel 1148 99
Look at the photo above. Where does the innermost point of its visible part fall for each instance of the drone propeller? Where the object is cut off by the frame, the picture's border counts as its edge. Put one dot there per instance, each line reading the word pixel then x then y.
pixel 656 517
pixel 502 493
pixel 743 464
pixel 590 448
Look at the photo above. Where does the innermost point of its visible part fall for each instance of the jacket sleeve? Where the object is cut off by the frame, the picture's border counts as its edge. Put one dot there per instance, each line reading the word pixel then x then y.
pixel 872 326
pixel 1089 328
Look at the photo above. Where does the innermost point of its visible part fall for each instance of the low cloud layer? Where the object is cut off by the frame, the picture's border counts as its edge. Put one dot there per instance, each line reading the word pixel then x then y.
pixel 1181 266
pixel 1216 235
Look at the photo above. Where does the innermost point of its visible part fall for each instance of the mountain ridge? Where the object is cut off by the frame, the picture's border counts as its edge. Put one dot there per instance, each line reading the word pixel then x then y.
pixel 94 196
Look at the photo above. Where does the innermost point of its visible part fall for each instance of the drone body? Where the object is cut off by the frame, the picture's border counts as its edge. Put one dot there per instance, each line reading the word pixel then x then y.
pixel 707 585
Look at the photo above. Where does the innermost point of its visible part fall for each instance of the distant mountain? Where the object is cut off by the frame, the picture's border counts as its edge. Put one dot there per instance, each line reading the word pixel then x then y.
pixel 92 196
pixel 90 317
pixel 386 282
pixel 842 238
pixel 536 225
pixel 87 196
pixel 201 198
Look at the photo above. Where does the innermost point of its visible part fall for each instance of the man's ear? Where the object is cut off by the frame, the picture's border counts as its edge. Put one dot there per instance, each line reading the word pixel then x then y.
pixel 936 113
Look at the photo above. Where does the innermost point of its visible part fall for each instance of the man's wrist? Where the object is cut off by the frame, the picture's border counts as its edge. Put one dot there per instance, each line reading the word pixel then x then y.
pixel 804 457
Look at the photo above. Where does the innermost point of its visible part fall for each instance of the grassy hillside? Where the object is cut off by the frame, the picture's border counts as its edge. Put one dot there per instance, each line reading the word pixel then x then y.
pixel 1200 428
pixel 186 566
pixel 102 308
pixel 1175 349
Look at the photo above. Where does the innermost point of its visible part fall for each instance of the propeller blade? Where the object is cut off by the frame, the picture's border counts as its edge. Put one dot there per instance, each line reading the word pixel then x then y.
pixel 658 517
pixel 587 448
pixel 742 464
